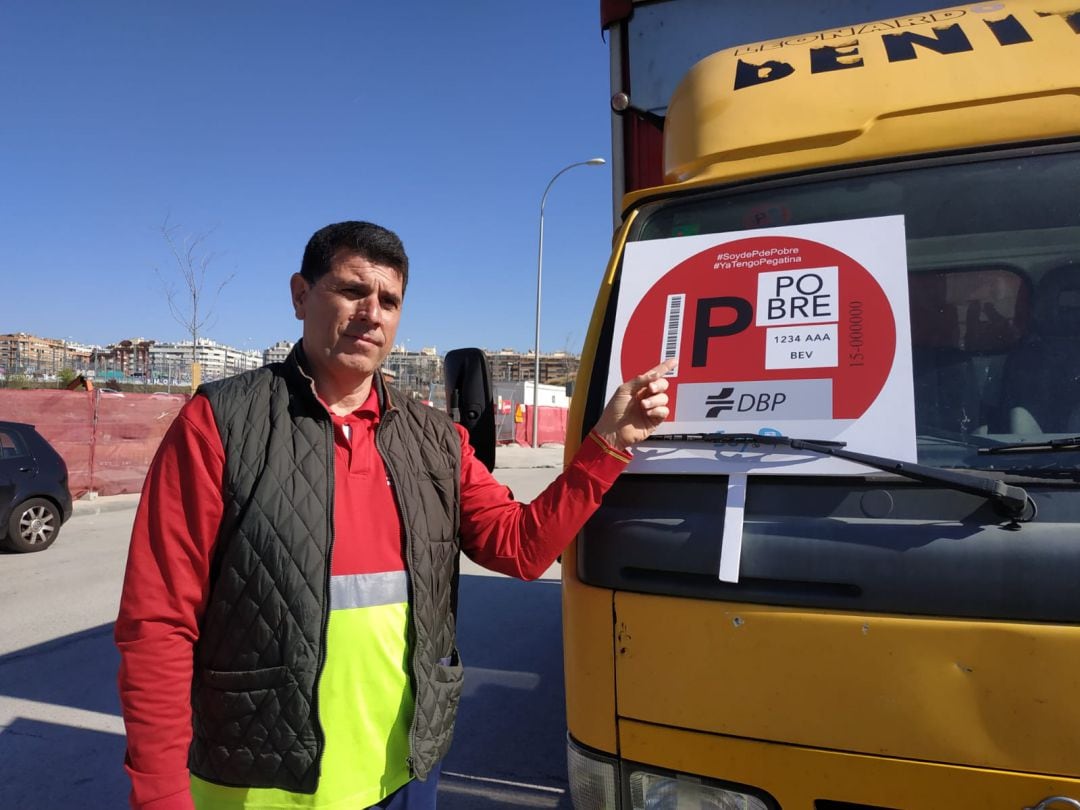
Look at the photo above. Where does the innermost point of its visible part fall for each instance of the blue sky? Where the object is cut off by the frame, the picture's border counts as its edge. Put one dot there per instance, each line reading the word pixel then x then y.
pixel 259 122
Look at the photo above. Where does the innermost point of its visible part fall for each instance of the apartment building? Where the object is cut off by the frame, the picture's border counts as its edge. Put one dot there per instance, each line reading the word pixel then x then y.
pixel 278 352
pixel 556 368
pixel 33 356
pixel 124 359
pixel 414 372
pixel 172 361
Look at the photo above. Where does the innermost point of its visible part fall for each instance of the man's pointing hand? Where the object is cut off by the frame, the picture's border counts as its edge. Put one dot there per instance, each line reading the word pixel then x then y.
pixel 636 409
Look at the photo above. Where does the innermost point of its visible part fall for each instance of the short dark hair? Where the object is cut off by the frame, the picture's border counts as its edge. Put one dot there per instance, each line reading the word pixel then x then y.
pixel 374 242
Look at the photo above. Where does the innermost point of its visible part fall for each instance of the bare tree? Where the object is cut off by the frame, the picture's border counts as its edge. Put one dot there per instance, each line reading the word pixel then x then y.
pixel 189 306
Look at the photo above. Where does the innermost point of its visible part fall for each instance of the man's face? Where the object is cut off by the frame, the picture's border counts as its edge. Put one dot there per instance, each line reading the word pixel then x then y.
pixel 350 318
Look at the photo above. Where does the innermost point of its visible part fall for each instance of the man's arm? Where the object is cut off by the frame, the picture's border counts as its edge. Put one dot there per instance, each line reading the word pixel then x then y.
pixel 523 540
pixel 165 591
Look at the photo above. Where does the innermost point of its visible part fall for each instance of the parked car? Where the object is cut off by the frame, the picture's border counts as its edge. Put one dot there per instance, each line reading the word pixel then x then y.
pixel 34 497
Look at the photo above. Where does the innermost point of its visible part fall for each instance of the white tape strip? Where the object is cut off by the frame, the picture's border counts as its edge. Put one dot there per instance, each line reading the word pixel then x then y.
pixel 731 542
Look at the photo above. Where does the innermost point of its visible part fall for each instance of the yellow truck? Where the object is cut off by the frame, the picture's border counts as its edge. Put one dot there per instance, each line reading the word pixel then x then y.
pixel 903 635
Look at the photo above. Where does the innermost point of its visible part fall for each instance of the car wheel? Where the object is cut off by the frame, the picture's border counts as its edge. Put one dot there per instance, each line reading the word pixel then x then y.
pixel 33 526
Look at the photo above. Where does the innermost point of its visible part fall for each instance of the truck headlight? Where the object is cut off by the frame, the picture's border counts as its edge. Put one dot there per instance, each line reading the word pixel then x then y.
pixel 593 781
pixel 652 791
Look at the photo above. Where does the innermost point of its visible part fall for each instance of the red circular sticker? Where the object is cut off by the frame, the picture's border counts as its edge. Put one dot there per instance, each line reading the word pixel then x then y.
pixel 769 326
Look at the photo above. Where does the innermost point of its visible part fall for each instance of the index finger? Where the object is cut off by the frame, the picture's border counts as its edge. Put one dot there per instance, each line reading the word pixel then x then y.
pixel 655 372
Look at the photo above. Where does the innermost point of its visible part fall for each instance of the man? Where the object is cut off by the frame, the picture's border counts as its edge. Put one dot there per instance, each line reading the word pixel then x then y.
pixel 286 627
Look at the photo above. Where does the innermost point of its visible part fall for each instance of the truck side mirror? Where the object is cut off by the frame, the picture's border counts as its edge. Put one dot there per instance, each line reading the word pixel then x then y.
pixel 469 400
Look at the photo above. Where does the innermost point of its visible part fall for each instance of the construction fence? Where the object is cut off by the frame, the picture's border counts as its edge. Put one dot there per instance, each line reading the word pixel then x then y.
pixel 107 439
pixel 513 423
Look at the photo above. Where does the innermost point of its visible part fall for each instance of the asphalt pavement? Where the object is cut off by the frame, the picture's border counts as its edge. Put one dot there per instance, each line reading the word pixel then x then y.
pixel 509 456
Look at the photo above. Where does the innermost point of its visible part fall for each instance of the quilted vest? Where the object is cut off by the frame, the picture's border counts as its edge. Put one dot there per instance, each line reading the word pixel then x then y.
pixel 261 645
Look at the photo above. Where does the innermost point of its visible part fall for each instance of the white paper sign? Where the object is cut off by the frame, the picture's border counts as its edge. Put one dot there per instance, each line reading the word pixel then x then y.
pixel 800 331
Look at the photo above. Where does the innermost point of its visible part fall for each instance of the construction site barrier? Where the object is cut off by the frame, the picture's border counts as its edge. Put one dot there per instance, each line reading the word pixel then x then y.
pixel 107 439
pixel 514 424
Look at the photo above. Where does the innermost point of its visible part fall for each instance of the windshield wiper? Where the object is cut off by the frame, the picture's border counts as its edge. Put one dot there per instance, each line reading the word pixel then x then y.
pixel 1011 500
pixel 1049 446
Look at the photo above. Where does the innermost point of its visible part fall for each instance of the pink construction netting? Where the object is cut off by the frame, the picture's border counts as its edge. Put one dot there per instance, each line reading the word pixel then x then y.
pixel 550 426
pixel 106 439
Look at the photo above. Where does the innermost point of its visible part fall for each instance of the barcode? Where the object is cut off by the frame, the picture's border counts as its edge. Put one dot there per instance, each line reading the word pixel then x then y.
pixel 672 329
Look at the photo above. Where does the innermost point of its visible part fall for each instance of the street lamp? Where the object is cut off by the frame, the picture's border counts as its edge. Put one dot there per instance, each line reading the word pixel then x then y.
pixel 539 275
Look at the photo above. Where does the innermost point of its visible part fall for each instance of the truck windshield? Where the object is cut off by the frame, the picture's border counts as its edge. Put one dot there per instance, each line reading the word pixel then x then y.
pixel 993 251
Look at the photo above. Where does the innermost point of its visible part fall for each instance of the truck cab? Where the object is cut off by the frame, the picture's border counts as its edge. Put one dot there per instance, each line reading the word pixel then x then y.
pixel 897 636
